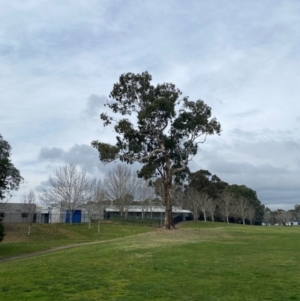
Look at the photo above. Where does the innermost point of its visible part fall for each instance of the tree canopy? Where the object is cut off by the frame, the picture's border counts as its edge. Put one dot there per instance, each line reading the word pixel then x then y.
pixel 159 129
pixel 204 181
pixel 10 177
pixel 242 191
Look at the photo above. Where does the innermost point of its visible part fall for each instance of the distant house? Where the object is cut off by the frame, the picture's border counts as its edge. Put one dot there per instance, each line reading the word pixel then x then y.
pixel 15 212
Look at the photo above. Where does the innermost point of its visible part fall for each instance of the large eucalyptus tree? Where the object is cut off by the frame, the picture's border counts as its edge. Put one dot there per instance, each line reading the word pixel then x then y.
pixel 159 129
pixel 10 177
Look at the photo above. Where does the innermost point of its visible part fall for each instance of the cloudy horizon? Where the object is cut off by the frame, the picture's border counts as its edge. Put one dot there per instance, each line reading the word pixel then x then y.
pixel 60 59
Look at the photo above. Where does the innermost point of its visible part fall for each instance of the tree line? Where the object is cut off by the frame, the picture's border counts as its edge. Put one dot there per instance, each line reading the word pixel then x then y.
pixel 280 216
pixel 71 189
pixel 206 195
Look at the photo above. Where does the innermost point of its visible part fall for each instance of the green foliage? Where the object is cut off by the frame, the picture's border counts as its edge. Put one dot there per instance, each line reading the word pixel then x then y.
pixel 204 181
pixel 250 195
pixel 162 131
pixel 107 152
pixel 10 177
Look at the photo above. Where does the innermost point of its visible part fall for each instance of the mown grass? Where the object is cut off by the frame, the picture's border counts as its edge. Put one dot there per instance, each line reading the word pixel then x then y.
pixel 197 262
pixel 47 236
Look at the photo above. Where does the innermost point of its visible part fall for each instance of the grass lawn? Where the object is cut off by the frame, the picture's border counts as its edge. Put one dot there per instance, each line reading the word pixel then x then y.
pixel 197 262
pixel 47 236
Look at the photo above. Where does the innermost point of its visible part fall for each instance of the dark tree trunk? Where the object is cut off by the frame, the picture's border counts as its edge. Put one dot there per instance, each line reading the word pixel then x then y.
pixel 168 224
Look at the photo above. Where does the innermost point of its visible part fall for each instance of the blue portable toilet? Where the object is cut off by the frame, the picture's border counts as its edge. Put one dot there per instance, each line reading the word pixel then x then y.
pixel 76 218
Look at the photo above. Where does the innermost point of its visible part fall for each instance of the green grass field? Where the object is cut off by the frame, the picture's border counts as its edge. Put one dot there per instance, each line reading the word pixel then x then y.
pixel 196 262
pixel 47 236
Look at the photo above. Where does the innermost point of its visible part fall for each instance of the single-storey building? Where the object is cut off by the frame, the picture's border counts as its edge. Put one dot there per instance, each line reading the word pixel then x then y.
pixel 57 215
pixel 16 212
pixel 147 212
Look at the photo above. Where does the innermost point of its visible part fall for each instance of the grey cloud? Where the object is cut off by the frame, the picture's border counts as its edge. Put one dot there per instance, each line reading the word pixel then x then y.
pixel 43 185
pixel 266 161
pixel 83 155
pixel 245 168
pixel 95 105
pixel 284 199
pixel 241 63
pixel 272 184
pixel 274 147
pixel 249 113
pixel 51 154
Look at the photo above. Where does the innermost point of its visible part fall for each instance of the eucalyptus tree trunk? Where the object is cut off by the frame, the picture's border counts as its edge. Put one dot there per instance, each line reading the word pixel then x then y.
pixel 168 224
pixel 99 227
pixel 29 229
pixel 90 223
pixel 168 211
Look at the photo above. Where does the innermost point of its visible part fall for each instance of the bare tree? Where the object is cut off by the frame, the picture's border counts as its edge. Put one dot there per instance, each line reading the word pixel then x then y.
pixel 193 202
pixel 279 216
pixel 121 186
pixel 251 214
pixel 145 195
pixel 177 195
pixel 100 199
pixel 28 201
pixel 286 216
pixel 211 209
pixel 90 206
pixel 91 211
pixel 283 216
pixel 95 205
pixel 242 208
pixel 226 205
pixel 268 216
pixel 69 189
pixel 204 204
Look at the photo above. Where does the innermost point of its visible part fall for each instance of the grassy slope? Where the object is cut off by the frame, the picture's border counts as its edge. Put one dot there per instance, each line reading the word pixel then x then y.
pixel 198 262
pixel 47 236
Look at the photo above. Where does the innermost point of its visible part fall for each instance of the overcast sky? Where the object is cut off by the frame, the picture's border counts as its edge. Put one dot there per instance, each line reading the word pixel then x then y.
pixel 60 59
